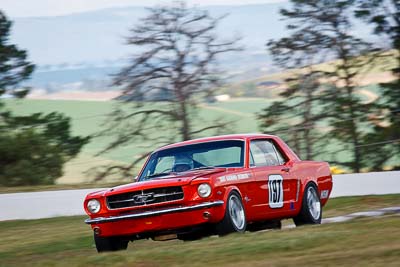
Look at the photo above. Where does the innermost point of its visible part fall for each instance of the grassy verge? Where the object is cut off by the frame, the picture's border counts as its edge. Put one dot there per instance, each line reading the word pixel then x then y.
pixel 67 241
pixel 345 205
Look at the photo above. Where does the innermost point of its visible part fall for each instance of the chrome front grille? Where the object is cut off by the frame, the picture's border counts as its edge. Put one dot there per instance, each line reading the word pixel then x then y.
pixel 145 197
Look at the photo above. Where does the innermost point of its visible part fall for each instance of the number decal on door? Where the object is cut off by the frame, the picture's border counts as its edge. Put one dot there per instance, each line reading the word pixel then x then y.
pixel 275 189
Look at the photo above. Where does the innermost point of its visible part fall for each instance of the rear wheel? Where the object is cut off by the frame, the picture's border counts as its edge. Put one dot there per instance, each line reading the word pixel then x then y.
pixel 112 243
pixel 311 211
pixel 235 217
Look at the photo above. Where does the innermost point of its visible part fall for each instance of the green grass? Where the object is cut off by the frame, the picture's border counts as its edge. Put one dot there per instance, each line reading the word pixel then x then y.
pixel 88 117
pixel 67 241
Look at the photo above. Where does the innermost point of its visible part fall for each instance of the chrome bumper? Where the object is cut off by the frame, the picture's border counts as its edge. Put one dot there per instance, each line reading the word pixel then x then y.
pixel 154 213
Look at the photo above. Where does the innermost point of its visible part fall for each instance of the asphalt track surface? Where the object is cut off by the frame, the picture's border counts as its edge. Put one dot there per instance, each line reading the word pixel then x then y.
pixel 37 205
pixel 352 216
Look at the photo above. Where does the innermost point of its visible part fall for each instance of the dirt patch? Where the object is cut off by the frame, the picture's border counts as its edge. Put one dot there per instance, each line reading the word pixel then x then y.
pixel 374 78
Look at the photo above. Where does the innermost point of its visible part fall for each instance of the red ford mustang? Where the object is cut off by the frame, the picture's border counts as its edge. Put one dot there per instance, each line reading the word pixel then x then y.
pixel 215 185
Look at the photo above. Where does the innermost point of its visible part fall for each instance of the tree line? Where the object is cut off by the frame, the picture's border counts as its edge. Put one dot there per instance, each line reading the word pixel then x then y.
pixel 327 98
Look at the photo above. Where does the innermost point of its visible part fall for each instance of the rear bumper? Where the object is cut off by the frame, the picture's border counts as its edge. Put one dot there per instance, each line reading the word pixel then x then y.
pixel 204 205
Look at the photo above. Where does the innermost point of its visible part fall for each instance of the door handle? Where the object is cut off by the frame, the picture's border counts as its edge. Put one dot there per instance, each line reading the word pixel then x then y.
pixel 286 169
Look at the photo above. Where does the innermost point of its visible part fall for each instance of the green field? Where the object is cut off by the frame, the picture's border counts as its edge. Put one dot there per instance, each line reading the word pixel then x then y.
pixel 67 241
pixel 88 117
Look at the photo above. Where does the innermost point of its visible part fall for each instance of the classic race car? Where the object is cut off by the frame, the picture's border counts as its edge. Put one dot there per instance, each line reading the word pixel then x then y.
pixel 215 185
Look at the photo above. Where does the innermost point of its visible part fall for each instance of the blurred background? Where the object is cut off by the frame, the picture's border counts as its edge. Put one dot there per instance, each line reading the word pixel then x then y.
pixel 89 88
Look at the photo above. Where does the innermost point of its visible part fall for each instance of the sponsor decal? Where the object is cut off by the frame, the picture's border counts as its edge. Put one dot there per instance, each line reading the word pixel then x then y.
pixel 222 179
pixel 243 176
pixel 234 177
pixel 275 191
pixel 231 177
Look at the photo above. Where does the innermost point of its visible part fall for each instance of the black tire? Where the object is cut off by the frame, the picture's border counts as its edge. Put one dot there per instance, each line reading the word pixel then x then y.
pixel 112 243
pixel 233 221
pixel 309 214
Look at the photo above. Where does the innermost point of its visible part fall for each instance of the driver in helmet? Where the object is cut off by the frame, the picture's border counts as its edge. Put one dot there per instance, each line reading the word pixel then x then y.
pixel 182 163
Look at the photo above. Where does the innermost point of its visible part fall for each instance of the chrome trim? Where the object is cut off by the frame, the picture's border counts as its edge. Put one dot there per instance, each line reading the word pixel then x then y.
pixel 146 204
pixel 154 196
pixel 154 213
pixel 298 190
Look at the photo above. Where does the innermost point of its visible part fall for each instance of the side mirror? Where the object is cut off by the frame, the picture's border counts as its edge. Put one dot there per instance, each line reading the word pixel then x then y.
pixel 135 179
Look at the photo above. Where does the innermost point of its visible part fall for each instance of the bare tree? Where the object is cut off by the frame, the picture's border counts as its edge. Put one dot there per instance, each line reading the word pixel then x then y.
pixel 178 48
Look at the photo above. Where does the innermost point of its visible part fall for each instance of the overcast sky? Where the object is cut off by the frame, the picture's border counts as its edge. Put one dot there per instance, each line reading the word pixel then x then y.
pixel 29 8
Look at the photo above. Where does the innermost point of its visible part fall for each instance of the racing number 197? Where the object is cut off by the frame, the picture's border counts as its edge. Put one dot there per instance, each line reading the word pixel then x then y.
pixel 275 189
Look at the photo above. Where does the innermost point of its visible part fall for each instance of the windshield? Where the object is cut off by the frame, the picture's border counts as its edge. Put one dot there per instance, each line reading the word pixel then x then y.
pixel 222 154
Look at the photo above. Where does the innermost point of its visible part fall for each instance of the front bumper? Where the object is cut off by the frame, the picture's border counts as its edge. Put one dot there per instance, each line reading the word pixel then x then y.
pixel 204 205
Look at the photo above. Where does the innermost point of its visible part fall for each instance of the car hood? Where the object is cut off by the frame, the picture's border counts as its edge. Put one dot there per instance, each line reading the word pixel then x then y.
pixel 177 179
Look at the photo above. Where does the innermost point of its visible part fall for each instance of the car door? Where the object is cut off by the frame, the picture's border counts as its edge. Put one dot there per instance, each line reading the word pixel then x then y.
pixel 275 190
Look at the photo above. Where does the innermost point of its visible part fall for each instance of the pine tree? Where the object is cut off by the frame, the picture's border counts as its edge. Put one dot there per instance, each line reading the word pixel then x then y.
pixel 33 148
pixel 14 67
pixel 384 15
pixel 320 30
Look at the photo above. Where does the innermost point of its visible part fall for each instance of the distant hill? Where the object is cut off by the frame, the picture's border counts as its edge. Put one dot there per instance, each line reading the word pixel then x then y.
pixel 90 45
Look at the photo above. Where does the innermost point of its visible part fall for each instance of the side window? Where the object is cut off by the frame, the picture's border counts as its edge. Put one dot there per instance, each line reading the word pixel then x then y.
pixel 264 153
pixel 281 159
pixel 257 156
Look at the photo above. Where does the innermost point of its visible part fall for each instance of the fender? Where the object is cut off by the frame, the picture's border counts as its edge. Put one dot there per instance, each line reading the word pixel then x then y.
pixel 228 190
pixel 225 191
pixel 302 185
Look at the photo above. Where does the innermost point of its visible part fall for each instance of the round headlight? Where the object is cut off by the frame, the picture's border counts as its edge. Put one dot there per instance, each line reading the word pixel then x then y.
pixel 93 206
pixel 204 190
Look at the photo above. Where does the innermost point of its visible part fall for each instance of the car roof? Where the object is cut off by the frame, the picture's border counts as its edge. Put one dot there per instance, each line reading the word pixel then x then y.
pixel 218 138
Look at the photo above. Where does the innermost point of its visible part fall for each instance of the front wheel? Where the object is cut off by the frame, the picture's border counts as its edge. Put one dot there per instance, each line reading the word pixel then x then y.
pixel 235 217
pixel 112 243
pixel 311 211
